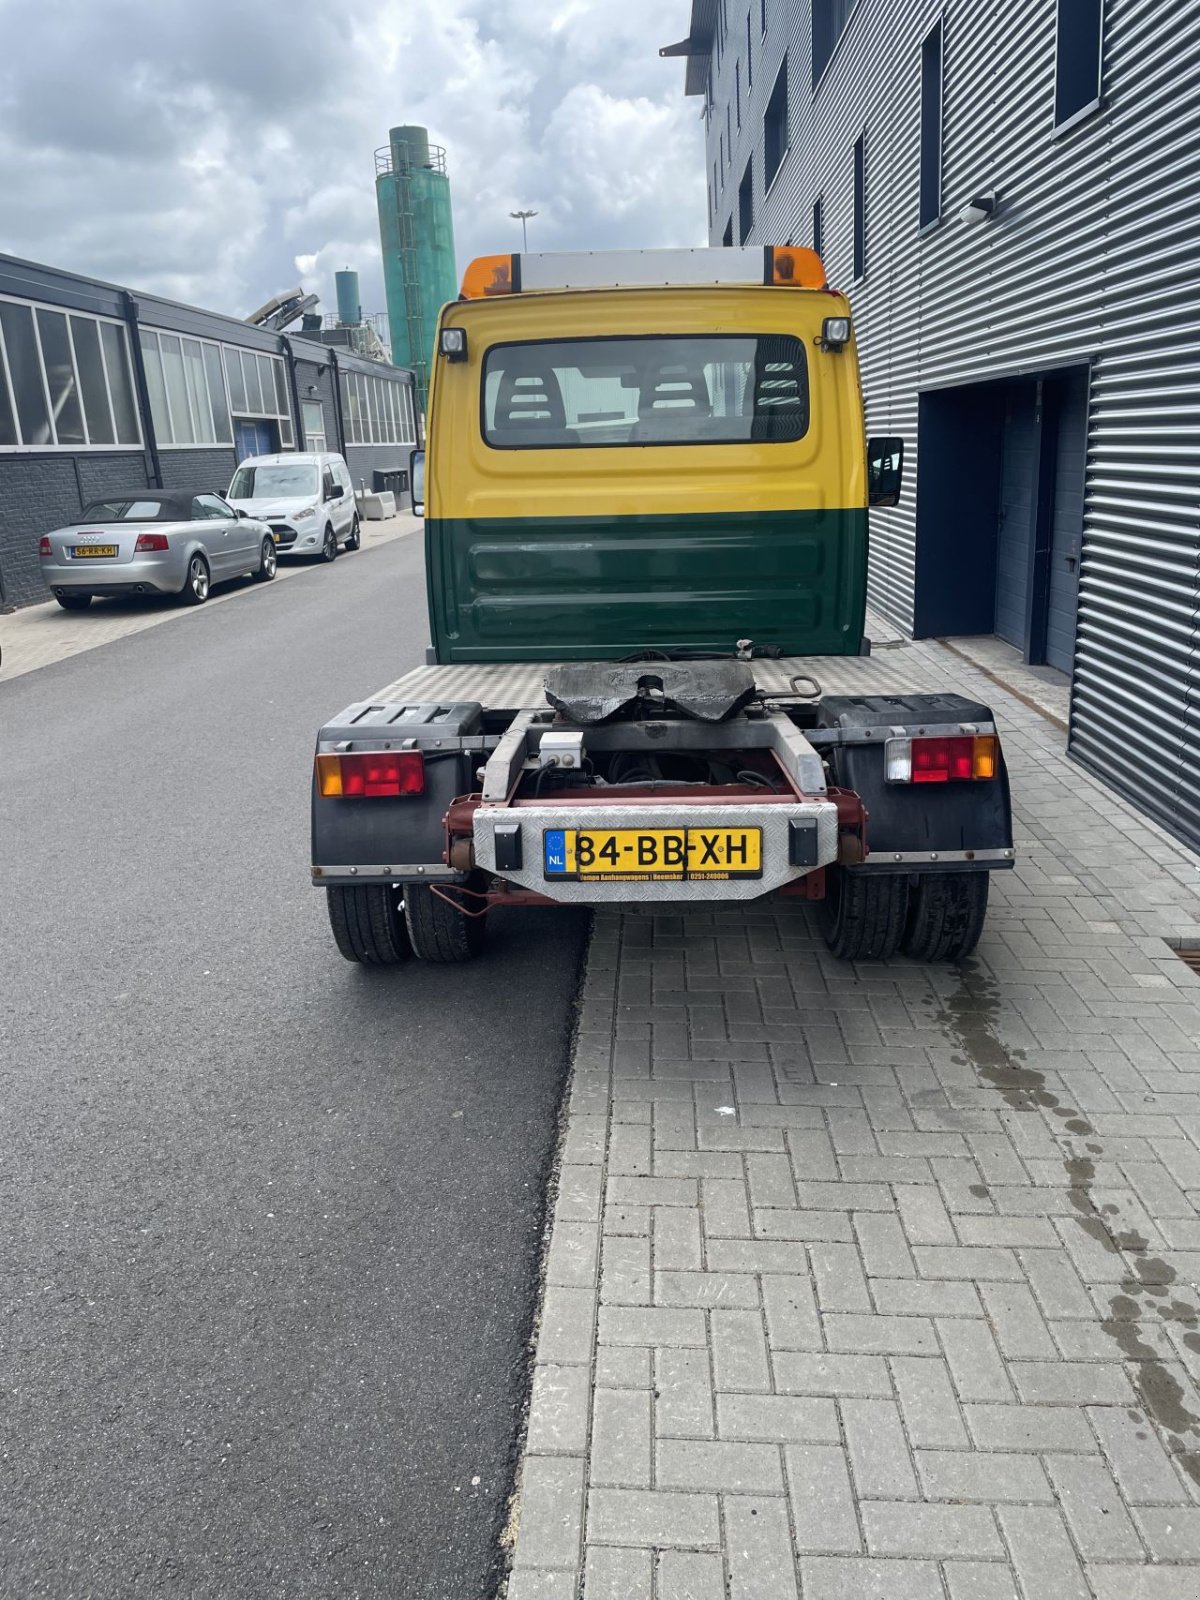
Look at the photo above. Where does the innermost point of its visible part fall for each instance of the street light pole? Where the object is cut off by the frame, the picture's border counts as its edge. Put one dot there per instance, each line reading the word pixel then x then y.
pixel 523 218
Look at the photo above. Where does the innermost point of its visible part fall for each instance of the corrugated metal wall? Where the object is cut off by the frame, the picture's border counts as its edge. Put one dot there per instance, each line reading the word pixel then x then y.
pixel 1092 257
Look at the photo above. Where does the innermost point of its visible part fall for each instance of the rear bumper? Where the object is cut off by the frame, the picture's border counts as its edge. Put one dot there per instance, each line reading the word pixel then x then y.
pixel 147 574
pixel 816 825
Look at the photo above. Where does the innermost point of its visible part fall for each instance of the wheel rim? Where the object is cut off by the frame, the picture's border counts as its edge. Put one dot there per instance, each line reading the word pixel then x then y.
pixel 199 578
pixel 354 532
pixel 330 544
pixel 269 560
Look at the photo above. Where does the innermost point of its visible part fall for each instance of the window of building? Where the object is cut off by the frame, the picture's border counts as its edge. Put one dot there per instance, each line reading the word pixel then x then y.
pixel 728 131
pixel 829 18
pixel 65 381
pixel 776 133
pixel 737 90
pixel 1079 57
pixel 762 6
pixel 818 228
pixel 931 127
pixel 860 206
pixel 746 202
pixel 749 56
pixel 377 410
pixel 313 418
pixel 197 389
pixel 727 236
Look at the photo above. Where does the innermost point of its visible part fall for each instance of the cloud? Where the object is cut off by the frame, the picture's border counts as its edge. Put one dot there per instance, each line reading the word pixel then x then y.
pixel 219 153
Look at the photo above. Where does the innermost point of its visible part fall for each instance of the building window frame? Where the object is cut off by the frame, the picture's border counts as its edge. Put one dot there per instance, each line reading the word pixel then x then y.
pixel 860 206
pixel 1082 14
pixel 313 434
pixel 780 89
pixel 818 224
pixel 749 55
pixel 372 415
pixel 762 9
pixel 835 44
pixel 8 384
pixel 932 130
pixel 746 202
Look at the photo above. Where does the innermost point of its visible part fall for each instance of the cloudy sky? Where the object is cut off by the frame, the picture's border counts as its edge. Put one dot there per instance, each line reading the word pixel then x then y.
pixel 220 151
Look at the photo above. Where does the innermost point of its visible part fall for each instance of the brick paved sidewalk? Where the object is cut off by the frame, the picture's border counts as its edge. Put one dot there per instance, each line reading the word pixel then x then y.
pixel 881 1283
pixel 37 636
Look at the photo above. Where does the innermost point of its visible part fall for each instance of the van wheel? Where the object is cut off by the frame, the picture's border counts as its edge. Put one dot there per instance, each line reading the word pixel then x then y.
pixel 329 547
pixel 354 538
pixel 368 924
pixel 70 600
pixel 439 932
pixel 946 915
pixel 863 914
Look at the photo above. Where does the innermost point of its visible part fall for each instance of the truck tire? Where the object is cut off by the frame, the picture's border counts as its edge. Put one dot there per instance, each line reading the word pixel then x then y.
pixel 863 915
pixel 368 924
pixel 438 932
pixel 946 915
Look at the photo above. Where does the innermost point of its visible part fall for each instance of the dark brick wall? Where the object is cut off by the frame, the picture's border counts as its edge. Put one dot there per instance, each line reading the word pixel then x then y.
pixel 365 460
pixel 198 469
pixel 42 492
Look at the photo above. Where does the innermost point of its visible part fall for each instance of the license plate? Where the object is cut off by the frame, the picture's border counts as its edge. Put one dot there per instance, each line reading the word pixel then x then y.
pixel 80 551
pixel 653 855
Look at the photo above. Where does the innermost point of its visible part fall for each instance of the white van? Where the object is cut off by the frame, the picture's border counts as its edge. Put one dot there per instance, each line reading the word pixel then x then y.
pixel 307 499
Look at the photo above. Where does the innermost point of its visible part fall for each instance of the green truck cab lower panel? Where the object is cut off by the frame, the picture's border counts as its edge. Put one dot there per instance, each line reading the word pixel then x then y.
pixel 599 588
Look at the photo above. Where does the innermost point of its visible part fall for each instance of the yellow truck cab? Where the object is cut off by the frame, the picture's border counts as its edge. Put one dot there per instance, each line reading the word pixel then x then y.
pixel 647 492
pixel 630 451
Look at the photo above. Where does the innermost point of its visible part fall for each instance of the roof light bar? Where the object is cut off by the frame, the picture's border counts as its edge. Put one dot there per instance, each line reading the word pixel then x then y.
pixel 782 266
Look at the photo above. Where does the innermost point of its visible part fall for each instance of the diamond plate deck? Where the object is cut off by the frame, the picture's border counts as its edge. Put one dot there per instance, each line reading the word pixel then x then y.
pixel 518 685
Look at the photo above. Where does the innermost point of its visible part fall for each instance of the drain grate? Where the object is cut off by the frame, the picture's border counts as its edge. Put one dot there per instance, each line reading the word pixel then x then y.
pixel 1189 955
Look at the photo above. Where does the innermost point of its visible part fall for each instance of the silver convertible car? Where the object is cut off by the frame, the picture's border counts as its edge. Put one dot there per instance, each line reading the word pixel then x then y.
pixel 155 541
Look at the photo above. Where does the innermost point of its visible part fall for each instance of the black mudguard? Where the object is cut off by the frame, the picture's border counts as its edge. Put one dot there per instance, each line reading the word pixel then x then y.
pixel 409 831
pixel 918 817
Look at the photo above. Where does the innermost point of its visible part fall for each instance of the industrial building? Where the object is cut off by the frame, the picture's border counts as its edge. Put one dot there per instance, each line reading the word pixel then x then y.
pixel 1008 194
pixel 416 232
pixel 104 388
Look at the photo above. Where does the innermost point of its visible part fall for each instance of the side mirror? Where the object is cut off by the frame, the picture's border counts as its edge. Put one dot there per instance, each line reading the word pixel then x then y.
pixel 336 492
pixel 885 471
pixel 416 477
pixel 241 515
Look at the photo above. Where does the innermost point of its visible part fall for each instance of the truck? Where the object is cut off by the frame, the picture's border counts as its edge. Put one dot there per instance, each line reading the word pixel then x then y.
pixel 647 486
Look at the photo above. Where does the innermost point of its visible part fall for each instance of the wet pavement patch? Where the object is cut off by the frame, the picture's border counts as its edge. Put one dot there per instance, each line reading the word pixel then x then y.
pixel 1146 1290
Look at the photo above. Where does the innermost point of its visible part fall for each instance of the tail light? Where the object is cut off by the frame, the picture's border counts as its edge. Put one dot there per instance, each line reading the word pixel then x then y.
pixel 956 759
pixel 44 546
pixel 371 774
pixel 146 542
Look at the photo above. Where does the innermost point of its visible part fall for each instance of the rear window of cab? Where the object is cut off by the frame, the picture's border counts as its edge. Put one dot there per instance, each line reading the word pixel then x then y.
pixel 693 389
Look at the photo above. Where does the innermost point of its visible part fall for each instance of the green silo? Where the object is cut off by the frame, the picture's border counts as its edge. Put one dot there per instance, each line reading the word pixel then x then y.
pixel 416 230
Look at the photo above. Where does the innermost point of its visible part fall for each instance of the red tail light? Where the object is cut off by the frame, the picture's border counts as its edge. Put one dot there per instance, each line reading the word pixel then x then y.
pixel 941 760
pixel 150 541
pixel 44 546
pixel 371 774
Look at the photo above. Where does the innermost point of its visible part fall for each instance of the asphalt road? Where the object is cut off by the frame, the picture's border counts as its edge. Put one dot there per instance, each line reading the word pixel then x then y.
pixel 270 1221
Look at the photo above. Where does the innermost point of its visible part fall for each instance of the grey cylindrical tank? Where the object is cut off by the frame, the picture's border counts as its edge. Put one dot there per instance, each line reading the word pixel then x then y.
pixel 349 305
pixel 410 147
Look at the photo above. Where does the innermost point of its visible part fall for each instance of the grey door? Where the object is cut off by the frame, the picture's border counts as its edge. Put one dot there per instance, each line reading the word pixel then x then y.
pixel 1014 533
pixel 1066 536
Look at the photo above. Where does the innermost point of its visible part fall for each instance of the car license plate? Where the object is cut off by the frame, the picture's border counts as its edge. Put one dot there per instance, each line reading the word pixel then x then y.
pixel 653 855
pixel 277 537
pixel 81 550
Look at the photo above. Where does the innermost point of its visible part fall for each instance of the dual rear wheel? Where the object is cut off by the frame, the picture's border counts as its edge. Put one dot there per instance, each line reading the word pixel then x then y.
pixel 936 916
pixel 384 924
